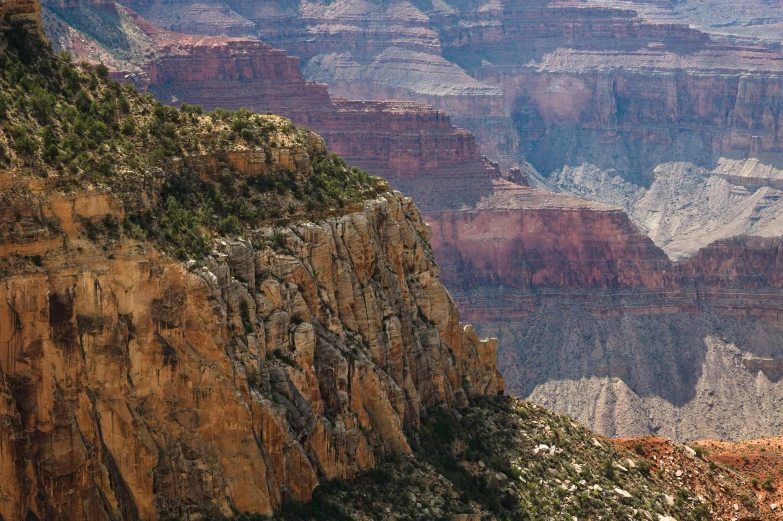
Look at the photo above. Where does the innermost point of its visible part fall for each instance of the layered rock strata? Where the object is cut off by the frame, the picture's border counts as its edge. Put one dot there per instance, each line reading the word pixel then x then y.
pixel 408 143
pixel 596 89
pixel 531 71
pixel 595 321
pixel 133 387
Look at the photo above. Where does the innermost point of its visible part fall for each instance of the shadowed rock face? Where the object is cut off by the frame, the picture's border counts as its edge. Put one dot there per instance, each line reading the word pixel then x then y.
pixel 596 322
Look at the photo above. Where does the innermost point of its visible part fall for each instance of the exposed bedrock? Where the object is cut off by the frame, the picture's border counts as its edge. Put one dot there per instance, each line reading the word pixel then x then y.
pixel 561 83
pixel 595 321
pixel 23 9
pixel 657 119
pixel 133 387
pixel 416 147
pixel 687 206
pixel 686 376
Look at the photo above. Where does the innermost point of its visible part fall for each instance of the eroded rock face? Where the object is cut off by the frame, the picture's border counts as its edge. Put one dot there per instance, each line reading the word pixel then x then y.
pixel 408 143
pixel 596 322
pixel 132 387
pixel 525 76
pixel 570 244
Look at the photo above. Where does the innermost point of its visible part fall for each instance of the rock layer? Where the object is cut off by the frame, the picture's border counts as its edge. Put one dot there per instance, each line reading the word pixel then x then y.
pixel 596 322
pixel 408 143
pixel 519 74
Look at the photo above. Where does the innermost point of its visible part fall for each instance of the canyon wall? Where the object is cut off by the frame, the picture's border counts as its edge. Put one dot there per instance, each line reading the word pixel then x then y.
pixel 520 74
pixel 416 147
pixel 617 90
pixel 680 130
pixel 135 387
pixel 596 322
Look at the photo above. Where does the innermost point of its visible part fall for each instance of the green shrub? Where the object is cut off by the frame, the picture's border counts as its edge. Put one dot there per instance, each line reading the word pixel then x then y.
pixel 102 71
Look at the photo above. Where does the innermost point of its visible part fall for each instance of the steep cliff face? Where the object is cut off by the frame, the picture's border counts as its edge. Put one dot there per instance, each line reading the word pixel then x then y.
pixel 134 387
pixel 552 241
pixel 604 100
pixel 232 73
pixel 594 321
pixel 620 89
pixel 371 52
pixel 255 376
pixel 612 97
pixel 300 343
pixel 513 73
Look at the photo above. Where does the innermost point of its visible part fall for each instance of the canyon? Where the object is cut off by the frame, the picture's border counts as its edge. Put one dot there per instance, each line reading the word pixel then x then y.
pixel 672 131
pixel 617 89
pixel 314 340
pixel 136 383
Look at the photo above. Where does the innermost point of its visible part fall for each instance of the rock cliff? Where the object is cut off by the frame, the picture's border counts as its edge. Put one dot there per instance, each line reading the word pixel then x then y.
pixel 612 89
pixel 673 124
pixel 299 344
pixel 133 386
pixel 595 321
pixel 519 74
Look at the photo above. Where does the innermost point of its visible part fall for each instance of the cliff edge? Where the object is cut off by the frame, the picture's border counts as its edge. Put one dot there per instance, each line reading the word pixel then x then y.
pixel 202 313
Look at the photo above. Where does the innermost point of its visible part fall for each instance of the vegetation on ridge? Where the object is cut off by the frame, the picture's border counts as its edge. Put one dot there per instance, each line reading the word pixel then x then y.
pixel 77 129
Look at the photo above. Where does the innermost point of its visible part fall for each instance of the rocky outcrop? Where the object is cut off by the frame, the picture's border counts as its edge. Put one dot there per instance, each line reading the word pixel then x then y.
pixel 390 138
pixel 371 52
pixel 134 387
pixel 23 9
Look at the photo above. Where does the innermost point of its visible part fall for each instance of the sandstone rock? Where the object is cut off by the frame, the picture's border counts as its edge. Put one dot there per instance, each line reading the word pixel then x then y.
pixel 134 387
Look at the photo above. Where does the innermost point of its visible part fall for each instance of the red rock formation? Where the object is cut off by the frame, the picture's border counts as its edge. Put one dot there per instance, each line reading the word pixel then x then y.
pixel 545 240
pixel 505 261
pixel 232 73
pixel 557 63
pixel 395 138
pixel 124 393
pixel 607 70
pixel 738 262
pixel 409 143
